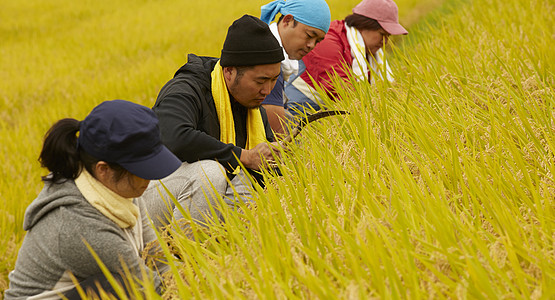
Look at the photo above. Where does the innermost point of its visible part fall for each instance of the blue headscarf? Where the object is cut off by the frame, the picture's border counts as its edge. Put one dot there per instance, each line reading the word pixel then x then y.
pixel 314 13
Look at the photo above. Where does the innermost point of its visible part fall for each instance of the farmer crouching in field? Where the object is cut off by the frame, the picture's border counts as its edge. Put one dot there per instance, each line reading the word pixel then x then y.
pixel 302 25
pixel 353 46
pixel 210 117
pixel 90 198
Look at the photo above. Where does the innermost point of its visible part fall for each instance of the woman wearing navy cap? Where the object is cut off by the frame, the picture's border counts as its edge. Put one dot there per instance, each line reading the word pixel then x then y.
pixel 97 168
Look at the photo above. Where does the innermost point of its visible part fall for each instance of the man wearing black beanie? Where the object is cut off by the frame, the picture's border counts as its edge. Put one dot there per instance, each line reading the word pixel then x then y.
pixel 248 43
pixel 211 118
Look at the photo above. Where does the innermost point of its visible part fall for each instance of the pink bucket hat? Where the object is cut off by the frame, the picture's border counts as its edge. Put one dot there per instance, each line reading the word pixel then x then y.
pixel 383 11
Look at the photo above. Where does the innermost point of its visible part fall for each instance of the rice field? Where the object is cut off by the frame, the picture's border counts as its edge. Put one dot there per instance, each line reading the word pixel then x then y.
pixel 440 185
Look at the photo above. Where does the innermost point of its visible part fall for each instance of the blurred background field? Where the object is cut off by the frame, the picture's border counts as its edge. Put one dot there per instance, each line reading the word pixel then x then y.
pixel 439 186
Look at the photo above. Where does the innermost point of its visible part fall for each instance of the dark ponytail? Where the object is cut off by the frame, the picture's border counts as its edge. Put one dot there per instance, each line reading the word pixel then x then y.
pixel 59 152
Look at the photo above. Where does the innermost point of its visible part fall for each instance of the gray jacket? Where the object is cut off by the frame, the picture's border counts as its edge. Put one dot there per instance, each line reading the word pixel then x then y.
pixel 58 222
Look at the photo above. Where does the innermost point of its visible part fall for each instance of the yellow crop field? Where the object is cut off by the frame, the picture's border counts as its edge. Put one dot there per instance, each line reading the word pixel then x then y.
pixel 440 185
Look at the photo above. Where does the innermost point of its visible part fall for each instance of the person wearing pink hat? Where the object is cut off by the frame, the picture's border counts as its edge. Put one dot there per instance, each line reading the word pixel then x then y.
pixel 352 47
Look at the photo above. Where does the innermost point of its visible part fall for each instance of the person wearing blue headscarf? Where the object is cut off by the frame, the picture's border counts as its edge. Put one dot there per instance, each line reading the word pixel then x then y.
pixel 302 25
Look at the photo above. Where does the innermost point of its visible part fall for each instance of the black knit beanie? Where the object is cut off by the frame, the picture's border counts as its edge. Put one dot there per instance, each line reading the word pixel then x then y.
pixel 250 42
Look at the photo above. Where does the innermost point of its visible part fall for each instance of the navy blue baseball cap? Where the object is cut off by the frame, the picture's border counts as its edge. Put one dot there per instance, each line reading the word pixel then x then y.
pixel 127 134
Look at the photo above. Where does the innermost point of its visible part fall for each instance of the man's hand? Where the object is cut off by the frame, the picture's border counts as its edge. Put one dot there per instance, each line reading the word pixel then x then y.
pixel 276 116
pixel 260 155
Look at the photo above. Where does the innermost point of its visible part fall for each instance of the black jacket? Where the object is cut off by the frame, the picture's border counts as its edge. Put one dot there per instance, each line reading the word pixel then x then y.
pixel 188 119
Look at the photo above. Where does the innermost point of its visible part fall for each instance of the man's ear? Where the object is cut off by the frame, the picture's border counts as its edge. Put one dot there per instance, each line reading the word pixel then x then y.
pixel 230 73
pixel 288 20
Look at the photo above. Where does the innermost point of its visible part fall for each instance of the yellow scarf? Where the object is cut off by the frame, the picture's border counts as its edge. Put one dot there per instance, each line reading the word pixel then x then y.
pixel 115 207
pixel 255 128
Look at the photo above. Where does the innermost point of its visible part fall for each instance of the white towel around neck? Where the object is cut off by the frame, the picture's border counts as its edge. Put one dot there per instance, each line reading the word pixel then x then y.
pixel 360 65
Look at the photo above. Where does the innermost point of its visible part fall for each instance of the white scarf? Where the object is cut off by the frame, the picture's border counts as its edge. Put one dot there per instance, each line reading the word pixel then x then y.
pixel 120 210
pixel 378 64
pixel 288 66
